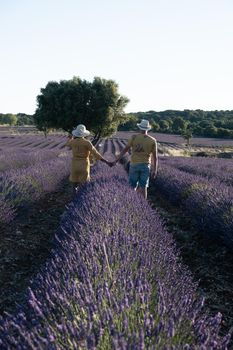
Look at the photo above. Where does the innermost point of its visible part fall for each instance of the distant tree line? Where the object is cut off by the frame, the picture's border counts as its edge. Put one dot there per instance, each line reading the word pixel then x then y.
pixel 67 103
pixel 19 119
pixel 187 123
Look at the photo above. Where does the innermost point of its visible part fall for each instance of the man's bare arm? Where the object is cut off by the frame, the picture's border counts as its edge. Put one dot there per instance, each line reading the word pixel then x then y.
pixel 155 161
pixel 123 152
pixel 67 144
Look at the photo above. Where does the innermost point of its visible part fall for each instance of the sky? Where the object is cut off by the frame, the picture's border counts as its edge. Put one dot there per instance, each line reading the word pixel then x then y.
pixel 163 54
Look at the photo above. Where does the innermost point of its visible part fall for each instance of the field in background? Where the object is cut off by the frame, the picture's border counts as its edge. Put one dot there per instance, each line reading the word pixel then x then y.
pixel 161 137
pixel 168 145
pixel 175 145
pixel 28 141
pixel 178 140
pixel 16 130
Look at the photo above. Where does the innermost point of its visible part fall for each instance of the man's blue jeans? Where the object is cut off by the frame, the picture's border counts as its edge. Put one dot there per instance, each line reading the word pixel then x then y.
pixel 139 175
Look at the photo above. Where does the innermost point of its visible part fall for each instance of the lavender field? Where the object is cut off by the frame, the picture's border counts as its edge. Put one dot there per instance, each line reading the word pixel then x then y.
pixel 109 286
pixel 178 140
pixel 114 277
pixel 31 141
pixel 28 165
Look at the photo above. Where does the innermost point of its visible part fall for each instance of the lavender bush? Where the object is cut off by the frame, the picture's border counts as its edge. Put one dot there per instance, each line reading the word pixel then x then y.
pixel 220 169
pixel 23 186
pixel 208 202
pixel 202 187
pixel 26 142
pixel 113 281
pixel 19 158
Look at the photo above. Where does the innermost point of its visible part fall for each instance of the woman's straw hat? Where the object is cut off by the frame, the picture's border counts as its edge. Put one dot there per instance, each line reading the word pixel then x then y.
pixel 144 125
pixel 80 131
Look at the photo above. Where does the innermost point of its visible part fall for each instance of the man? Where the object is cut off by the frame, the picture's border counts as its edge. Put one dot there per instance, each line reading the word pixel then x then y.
pixel 143 147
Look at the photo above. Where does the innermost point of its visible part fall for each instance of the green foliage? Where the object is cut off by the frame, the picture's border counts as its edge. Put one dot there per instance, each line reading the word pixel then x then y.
pixel 16 119
pixel 179 124
pixel 222 132
pixel 9 119
pixel 68 103
pixel 25 119
pixel 155 126
pixel 187 135
pixel 211 130
pixel 202 123
pixel 164 125
pixel 130 123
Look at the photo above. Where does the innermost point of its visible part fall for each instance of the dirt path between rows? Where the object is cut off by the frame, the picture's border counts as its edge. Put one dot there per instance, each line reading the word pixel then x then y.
pixel 209 261
pixel 25 244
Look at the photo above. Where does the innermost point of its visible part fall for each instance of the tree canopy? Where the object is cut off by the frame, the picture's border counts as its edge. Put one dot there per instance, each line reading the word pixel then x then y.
pixel 68 103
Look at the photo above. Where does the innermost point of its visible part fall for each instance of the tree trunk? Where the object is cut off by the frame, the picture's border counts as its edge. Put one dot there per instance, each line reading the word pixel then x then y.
pixel 96 138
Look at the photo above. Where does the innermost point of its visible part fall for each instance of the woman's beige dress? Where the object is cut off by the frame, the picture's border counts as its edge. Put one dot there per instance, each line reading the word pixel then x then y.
pixel 82 149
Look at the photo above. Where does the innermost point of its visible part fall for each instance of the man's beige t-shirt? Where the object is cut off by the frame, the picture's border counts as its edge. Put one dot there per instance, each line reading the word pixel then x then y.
pixel 142 147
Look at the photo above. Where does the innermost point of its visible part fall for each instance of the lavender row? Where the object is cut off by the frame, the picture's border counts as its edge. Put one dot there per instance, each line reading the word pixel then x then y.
pixel 20 187
pixel 114 281
pixel 208 202
pixel 172 139
pixel 32 141
pixel 220 169
pixel 19 158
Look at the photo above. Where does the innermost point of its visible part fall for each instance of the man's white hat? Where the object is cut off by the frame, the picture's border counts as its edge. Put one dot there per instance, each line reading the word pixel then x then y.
pixel 80 131
pixel 144 125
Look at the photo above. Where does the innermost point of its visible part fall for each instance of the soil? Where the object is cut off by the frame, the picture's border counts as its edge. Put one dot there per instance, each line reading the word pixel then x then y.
pixel 210 262
pixel 26 243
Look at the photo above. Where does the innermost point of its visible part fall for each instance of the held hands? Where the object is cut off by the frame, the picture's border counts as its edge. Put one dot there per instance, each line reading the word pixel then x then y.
pixel 114 162
pixel 111 164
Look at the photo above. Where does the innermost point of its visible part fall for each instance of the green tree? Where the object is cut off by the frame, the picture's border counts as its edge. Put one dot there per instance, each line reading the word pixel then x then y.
pixel 205 123
pixel 187 135
pixel 1 119
pixel 211 130
pixel 68 103
pixel 164 125
pixel 25 119
pixel 9 118
pixel 179 125
pixel 130 124
pixel 154 126
pixel 198 130
pixel 221 132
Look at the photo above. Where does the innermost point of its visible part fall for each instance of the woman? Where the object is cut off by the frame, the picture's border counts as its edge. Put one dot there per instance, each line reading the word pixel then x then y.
pixel 82 149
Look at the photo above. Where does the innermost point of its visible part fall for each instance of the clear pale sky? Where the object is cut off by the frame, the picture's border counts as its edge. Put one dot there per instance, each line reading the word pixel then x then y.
pixel 164 54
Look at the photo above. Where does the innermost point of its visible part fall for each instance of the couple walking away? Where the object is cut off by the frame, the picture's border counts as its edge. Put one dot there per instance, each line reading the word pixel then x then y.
pixel 144 155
